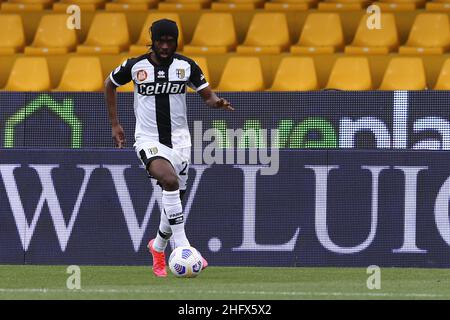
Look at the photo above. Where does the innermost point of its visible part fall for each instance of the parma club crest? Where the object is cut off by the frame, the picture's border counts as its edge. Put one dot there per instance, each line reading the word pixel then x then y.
pixel 181 73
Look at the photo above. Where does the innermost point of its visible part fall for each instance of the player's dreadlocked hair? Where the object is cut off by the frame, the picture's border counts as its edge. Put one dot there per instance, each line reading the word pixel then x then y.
pixel 163 27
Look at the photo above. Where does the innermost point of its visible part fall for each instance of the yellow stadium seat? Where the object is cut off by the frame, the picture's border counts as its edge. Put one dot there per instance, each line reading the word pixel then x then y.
pixel 430 34
pixel 267 34
pixel 189 1
pixel 203 64
pixel 242 74
pixel 238 5
pixel 25 5
pixel 53 36
pixel 108 34
pixel 85 5
pixel 144 41
pixel 130 5
pixel 399 5
pixel 288 5
pixel 438 5
pixel 167 6
pixel 404 74
pixel 295 74
pixel 82 74
pixel 29 74
pixel 214 33
pixel 31 1
pixel 12 36
pixel 241 1
pixel 183 5
pixel 344 5
pixel 350 73
pixel 376 40
pixel 443 80
pixel 322 33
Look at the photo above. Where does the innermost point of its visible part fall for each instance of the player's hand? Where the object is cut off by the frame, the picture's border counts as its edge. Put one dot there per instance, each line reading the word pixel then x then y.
pixel 223 104
pixel 118 136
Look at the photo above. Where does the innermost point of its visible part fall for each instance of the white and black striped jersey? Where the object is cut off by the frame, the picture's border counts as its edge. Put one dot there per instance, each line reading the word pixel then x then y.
pixel 160 97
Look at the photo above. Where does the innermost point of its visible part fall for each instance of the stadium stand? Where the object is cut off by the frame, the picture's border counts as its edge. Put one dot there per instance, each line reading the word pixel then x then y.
pixel 12 36
pixel 278 5
pixel 214 33
pixel 53 36
pixel 242 74
pixel 131 5
pixel 430 34
pixel 336 5
pixel 188 5
pixel 268 33
pixel 350 73
pixel 37 75
pixel 82 74
pixel 295 74
pixel 438 5
pixel 84 5
pixel 26 5
pixel 290 38
pixel 108 34
pixel 404 74
pixel 443 81
pixel 322 33
pixel 399 5
pixel 376 40
pixel 235 5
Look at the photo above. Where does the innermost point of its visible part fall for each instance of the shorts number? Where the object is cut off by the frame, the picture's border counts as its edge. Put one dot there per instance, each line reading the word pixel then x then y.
pixel 183 171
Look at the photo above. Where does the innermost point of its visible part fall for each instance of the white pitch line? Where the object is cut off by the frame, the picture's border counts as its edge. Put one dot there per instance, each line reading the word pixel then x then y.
pixel 274 293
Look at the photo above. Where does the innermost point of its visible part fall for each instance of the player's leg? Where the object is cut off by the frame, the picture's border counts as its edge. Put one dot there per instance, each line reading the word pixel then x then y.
pixel 165 173
pixel 160 169
pixel 164 233
pixel 182 168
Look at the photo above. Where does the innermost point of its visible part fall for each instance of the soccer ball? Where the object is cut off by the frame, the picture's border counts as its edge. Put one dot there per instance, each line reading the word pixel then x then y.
pixel 185 262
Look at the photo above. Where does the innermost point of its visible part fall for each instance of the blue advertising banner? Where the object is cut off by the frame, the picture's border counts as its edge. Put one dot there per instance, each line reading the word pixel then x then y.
pixel 305 120
pixel 322 208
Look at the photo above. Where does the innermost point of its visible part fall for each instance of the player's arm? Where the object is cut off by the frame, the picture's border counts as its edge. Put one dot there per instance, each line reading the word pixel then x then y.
pixel 120 76
pixel 212 100
pixel 197 81
pixel 111 101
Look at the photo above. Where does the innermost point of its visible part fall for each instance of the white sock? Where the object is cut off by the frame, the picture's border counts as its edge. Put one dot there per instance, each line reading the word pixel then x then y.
pixel 174 212
pixel 163 235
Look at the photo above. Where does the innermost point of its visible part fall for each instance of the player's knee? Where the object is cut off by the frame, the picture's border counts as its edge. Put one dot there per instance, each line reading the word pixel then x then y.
pixel 170 183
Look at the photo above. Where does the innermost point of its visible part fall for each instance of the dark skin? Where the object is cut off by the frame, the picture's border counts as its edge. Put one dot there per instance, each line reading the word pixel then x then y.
pixel 161 169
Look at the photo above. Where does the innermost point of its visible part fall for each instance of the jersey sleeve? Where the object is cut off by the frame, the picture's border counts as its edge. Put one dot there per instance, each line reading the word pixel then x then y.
pixel 122 74
pixel 197 80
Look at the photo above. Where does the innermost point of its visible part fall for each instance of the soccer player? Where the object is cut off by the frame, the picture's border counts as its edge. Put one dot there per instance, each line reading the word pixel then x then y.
pixel 163 141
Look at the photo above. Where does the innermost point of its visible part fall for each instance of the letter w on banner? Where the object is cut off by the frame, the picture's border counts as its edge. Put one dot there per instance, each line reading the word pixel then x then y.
pixel 49 196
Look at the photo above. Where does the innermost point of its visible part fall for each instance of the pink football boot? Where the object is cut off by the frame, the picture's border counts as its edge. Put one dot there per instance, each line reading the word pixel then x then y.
pixel 159 261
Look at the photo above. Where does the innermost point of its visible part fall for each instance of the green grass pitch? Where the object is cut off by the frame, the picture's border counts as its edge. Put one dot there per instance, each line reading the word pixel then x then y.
pixel 222 283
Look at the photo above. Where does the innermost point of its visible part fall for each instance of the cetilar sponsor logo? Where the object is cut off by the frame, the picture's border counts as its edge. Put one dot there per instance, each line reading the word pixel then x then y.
pixel 155 88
